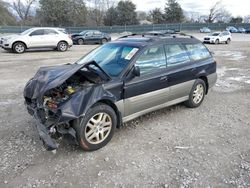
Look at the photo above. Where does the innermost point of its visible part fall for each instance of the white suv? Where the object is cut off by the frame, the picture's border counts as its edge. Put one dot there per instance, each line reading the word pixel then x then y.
pixel 39 37
pixel 218 37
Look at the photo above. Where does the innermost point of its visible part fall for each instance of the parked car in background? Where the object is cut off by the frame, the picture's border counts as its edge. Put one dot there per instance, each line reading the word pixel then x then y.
pixel 247 30
pixel 90 37
pixel 232 29
pixel 39 37
pixel 241 30
pixel 115 83
pixel 205 30
pixel 218 37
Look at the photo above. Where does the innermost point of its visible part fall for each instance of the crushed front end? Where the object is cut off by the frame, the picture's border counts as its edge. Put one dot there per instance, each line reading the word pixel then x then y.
pixel 57 96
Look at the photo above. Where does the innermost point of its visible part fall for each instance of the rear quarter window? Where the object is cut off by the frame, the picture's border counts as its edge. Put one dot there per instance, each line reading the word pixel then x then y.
pixel 197 51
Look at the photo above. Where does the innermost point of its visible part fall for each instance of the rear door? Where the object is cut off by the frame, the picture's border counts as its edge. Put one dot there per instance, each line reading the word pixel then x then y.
pixel 97 36
pixel 185 62
pixel 150 89
pixel 89 37
pixel 51 37
pixel 180 71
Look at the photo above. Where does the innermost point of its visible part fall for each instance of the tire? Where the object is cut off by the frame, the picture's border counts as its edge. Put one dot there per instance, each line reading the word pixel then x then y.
pixel 62 46
pixel 19 47
pixel 80 41
pixel 197 94
pixel 228 41
pixel 93 134
pixel 103 41
pixel 217 41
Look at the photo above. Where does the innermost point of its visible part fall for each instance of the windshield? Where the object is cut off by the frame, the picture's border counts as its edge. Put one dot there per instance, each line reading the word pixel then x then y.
pixel 26 31
pixel 112 58
pixel 215 34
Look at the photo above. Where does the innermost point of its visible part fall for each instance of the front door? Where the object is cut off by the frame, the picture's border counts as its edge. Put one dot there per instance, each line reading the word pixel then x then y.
pixel 150 89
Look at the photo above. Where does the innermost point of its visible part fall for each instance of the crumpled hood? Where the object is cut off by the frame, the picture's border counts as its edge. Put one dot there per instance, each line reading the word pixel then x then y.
pixel 47 78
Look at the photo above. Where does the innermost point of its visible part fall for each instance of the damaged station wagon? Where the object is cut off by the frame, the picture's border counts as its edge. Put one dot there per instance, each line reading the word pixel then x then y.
pixel 115 83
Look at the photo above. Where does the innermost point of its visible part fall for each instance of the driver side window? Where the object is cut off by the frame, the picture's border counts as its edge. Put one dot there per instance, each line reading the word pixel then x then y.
pixel 152 60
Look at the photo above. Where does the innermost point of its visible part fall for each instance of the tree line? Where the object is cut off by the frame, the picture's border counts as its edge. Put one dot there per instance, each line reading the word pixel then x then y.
pixel 104 12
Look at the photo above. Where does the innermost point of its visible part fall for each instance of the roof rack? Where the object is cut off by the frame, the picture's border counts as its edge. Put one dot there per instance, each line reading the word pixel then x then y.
pixel 133 34
pixel 157 35
pixel 184 34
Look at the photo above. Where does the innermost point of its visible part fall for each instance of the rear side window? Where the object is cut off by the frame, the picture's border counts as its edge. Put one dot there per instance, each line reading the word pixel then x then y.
pixel 197 51
pixel 151 60
pixel 97 33
pixel 176 54
pixel 50 32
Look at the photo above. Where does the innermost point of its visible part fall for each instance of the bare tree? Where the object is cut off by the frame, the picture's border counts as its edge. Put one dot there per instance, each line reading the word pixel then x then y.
pixel 218 13
pixel 246 19
pixel 98 9
pixel 22 8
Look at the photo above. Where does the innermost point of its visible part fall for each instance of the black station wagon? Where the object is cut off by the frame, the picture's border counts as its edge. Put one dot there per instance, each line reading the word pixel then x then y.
pixel 116 83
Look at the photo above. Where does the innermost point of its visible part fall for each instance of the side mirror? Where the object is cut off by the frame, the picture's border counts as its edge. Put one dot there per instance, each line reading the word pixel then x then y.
pixel 137 71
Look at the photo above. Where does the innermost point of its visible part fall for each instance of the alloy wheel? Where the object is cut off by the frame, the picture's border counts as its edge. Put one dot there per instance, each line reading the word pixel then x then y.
pixel 198 93
pixel 98 128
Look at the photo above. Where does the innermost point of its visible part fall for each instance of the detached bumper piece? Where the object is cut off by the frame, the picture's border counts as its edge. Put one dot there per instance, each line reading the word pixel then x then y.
pixel 48 142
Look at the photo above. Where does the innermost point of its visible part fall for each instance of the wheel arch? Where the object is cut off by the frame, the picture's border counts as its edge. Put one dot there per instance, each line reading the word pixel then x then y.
pixel 63 41
pixel 17 42
pixel 204 78
pixel 114 107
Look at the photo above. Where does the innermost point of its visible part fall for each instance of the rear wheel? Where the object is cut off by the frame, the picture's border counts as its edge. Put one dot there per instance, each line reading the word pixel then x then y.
pixel 80 41
pixel 62 46
pixel 228 41
pixel 19 47
pixel 97 128
pixel 197 94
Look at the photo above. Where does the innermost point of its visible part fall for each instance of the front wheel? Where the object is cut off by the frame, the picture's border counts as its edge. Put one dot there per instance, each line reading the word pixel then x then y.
pixel 62 46
pixel 96 128
pixel 19 47
pixel 80 41
pixel 197 94
pixel 217 41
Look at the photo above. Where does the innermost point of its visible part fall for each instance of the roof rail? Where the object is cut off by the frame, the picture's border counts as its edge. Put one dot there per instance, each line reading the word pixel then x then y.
pixel 186 35
pixel 125 36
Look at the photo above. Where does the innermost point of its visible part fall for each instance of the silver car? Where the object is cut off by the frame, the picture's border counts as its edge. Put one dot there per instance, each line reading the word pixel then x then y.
pixel 40 37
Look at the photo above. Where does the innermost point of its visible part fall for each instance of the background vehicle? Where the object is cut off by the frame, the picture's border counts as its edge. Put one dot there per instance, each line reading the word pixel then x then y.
pixel 205 30
pixel 116 83
pixel 247 30
pixel 218 37
pixel 90 37
pixel 43 37
pixel 241 30
pixel 232 29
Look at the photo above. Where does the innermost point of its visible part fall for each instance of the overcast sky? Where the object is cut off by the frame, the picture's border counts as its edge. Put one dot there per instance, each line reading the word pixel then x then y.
pixel 236 7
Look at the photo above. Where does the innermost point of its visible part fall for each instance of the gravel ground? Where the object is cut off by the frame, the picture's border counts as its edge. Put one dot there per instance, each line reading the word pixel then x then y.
pixel 174 147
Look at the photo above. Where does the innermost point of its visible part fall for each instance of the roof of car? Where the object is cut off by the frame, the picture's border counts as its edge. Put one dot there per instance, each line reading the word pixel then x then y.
pixel 144 39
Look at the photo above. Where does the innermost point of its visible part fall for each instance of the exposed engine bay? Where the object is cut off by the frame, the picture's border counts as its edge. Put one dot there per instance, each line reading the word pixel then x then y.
pixel 80 80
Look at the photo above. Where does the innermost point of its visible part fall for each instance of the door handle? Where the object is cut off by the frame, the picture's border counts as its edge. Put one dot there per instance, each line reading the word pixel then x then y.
pixel 164 78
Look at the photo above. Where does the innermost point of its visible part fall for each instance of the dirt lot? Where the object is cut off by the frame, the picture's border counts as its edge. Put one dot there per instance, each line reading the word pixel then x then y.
pixel 174 147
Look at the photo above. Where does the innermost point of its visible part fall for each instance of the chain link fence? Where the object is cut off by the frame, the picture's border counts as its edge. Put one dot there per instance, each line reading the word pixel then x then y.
pixel 134 28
